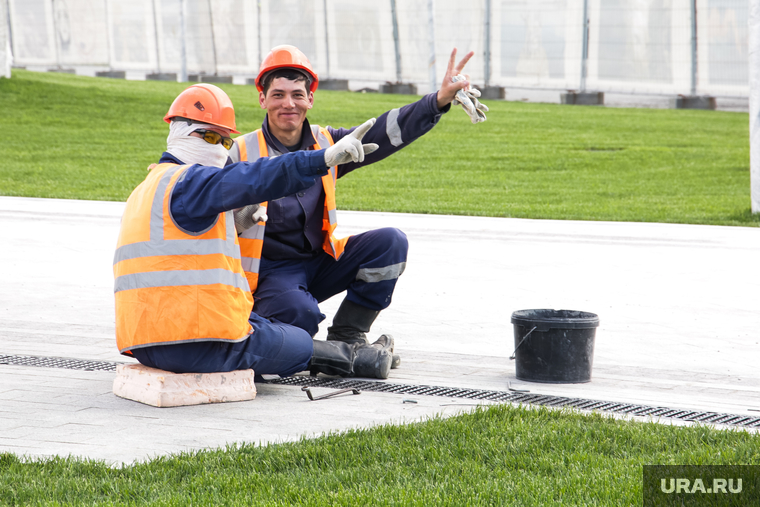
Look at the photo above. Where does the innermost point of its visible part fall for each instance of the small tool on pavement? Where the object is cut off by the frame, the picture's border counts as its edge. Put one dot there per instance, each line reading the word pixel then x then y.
pixel 328 395
pixel 515 389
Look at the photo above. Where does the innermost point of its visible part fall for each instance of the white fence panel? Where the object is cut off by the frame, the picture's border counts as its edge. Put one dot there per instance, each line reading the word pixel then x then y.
pixel 361 40
pixel 723 47
pixel 33 35
pixel 635 46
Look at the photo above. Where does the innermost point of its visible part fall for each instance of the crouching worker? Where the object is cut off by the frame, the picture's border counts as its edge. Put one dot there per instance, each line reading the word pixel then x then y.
pixel 183 303
pixel 294 262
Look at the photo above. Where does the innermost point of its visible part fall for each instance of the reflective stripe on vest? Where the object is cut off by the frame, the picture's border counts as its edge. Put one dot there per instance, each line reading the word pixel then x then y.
pixel 171 285
pixel 252 240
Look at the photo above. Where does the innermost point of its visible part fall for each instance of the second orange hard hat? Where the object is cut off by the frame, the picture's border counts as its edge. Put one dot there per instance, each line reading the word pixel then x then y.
pixel 285 56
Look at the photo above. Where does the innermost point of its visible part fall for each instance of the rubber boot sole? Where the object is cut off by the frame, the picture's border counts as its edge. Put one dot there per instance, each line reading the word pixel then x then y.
pixel 374 361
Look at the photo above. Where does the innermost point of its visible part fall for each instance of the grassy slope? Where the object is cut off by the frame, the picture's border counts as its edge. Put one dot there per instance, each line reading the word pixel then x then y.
pixel 500 456
pixel 92 138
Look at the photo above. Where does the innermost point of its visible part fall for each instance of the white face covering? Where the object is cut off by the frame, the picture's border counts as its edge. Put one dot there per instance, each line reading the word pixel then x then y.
pixel 194 150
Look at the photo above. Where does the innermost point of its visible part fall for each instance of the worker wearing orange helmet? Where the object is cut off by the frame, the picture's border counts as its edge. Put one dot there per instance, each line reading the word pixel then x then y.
pixel 294 261
pixel 183 302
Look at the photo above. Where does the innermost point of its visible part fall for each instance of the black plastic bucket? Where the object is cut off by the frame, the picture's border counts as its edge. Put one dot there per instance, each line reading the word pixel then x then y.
pixel 554 346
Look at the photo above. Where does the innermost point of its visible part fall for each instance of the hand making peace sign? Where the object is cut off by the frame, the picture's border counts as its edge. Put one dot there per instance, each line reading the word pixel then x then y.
pixel 449 88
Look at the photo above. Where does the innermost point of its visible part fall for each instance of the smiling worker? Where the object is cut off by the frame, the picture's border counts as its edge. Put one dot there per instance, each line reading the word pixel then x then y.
pixel 293 260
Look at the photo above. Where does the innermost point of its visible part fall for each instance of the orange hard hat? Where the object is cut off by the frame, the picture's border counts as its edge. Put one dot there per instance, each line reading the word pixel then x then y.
pixel 204 103
pixel 286 57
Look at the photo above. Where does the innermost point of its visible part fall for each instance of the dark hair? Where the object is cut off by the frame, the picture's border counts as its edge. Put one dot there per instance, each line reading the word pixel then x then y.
pixel 290 74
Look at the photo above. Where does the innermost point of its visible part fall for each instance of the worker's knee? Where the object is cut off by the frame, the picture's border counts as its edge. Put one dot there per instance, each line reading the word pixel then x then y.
pixel 295 307
pixel 395 240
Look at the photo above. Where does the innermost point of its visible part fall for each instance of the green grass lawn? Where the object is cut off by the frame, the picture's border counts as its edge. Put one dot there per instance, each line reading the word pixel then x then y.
pixel 92 138
pixel 497 456
pixel 82 138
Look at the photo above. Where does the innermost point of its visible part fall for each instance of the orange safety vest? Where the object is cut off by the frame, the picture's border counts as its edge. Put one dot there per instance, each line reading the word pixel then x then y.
pixel 173 286
pixel 252 240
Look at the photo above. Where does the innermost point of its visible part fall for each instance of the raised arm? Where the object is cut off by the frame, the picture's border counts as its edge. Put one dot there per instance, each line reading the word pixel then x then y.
pixel 399 127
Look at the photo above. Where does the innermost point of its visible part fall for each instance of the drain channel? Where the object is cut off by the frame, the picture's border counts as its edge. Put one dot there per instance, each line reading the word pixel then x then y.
pixel 448 392
pixel 59 362
pixel 526 398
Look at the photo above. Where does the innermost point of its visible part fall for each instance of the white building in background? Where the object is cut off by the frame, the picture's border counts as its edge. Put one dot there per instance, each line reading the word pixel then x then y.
pixel 635 46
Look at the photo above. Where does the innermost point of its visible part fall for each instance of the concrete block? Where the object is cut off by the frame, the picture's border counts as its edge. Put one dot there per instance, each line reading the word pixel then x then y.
pixel 62 70
pixel 200 78
pixel 115 74
pixel 492 92
pixel 399 88
pixel 582 98
pixel 161 388
pixel 694 102
pixel 334 84
pixel 162 76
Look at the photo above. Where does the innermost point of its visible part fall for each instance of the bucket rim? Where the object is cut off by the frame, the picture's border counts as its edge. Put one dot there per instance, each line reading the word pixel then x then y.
pixel 547 318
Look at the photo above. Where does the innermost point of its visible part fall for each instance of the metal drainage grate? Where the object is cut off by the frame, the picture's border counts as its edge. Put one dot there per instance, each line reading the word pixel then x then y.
pixel 449 392
pixel 526 398
pixel 59 362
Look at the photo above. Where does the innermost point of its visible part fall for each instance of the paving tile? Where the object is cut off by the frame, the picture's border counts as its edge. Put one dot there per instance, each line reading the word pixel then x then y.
pixel 664 338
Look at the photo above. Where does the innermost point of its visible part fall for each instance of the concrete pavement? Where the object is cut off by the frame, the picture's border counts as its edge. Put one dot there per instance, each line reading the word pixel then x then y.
pixel 677 304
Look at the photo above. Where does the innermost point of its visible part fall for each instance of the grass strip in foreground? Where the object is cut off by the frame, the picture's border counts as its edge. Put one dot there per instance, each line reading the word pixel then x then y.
pixel 501 455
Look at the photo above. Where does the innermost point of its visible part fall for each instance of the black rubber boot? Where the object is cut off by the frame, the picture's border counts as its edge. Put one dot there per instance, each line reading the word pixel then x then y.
pixel 351 324
pixel 353 360
pixel 374 361
pixel 333 358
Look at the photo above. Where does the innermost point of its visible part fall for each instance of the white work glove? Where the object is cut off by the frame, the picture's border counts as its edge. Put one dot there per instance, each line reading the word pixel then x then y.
pixel 468 99
pixel 248 216
pixel 350 148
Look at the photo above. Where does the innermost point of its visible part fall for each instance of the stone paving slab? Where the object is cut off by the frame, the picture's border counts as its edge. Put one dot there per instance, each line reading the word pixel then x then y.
pixel 677 304
pixel 80 416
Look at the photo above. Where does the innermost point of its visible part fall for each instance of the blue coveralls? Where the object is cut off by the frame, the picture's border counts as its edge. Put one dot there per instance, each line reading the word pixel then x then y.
pixel 295 273
pixel 201 194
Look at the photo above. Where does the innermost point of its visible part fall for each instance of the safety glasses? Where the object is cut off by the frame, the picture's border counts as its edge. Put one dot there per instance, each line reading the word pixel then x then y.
pixel 212 137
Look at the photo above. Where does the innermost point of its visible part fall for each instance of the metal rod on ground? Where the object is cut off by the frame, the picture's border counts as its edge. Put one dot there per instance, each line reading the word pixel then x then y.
pixel 182 43
pixel 397 48
pixel 431 35
pixel 327 43
pixel 584 55
pixel 487 51
pixel 693 48
pixel 213 38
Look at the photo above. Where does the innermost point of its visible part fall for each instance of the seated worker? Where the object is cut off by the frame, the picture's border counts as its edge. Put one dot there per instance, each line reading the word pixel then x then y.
pixel 183 303
pixel 293 261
